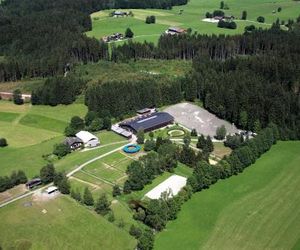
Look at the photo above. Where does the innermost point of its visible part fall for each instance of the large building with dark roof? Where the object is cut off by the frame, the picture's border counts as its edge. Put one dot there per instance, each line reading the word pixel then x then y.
pixel 148 122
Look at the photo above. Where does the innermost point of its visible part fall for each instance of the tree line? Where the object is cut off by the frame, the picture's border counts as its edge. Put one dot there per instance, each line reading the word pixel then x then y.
pixel 16 178
pixel 126 96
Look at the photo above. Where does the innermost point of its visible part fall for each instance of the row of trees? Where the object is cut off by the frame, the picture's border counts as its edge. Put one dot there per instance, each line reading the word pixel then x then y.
pixel 124 97
pixel 92 121
pixel 16 178
pixel 58 90
pixel 205 175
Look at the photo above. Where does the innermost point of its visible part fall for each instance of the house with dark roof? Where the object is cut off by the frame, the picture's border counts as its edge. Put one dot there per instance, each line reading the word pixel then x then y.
pixel 73 142
pixel 148 122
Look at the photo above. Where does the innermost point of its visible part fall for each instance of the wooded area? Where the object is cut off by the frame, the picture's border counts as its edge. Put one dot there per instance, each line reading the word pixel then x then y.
pixel 43 37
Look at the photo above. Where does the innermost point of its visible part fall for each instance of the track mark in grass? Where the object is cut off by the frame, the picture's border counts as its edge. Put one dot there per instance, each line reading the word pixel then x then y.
pixel 98 178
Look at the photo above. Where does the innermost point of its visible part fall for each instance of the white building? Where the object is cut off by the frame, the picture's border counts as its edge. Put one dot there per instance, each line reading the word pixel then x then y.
pixel 172 186
pixel 51 190
pixel 89 140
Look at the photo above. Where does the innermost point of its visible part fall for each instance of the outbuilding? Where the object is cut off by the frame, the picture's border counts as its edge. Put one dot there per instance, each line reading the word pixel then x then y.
pixel 148 122
pixel 51 190
pixel 89 140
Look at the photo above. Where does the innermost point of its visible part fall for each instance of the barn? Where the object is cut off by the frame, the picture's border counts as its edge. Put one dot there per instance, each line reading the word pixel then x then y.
pixel 148 122
pixel 89 140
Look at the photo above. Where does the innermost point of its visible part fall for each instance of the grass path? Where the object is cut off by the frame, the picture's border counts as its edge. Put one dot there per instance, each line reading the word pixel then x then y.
pixel 258 209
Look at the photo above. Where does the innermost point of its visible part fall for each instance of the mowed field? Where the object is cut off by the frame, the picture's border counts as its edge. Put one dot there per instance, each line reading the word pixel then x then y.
pixel 258 209
pixel 65 225
pixel 32 131
pixel 192 16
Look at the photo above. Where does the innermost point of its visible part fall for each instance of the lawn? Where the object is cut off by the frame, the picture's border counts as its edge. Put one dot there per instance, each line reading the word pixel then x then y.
pixel 66 225
pixel 258 209
pixel 191 17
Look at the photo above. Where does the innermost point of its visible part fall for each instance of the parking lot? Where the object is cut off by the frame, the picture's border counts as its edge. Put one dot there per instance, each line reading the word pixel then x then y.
pixel 192 116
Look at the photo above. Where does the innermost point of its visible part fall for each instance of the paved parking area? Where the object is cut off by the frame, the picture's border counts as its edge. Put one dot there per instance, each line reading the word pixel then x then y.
pixel 192 116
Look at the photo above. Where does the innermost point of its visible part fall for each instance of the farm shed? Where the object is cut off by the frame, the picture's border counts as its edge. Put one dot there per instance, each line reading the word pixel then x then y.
pixel 148 122
pixel 88 139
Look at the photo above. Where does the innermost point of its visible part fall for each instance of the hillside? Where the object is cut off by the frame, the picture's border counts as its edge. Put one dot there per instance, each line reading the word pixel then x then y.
pixel 192 16
pixel 258 209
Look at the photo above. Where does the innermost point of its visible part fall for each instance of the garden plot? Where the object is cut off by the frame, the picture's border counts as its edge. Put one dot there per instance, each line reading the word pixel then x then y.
pixel 192 116
pixel 172 186
pixel 111 169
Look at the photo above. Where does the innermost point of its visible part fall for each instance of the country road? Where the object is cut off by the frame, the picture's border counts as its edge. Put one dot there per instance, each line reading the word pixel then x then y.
pixel 133 140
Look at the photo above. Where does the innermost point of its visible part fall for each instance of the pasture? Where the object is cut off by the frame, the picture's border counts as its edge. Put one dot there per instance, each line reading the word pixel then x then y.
pixel 258 209
pixel 27 227
pixel 191 17
pixel 32 131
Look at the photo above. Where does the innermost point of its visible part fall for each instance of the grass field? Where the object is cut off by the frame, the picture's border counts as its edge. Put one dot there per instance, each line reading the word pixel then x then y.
pixel 66 225
pixel 132 70
pixel 192 16
pixel 258 209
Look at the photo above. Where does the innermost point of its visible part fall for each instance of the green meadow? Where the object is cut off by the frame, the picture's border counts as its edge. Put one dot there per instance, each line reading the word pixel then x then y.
pixel 32 132
pixel 258 209
pixel 65 225
pixel 191 17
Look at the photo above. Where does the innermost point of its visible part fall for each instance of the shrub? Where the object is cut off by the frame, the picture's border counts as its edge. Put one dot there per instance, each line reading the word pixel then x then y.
pixel 102 205
pixel 135 231
pixel 221 133
pixel 47 173
pixel 129 33
pixel 17 97
pixel 149 145
pixel 261 19
pixel 87 197
pixel 61 150
pixel 3 142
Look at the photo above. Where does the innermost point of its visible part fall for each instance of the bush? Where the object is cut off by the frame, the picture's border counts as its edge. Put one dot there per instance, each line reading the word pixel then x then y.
pixel 220 133
pixel 88 197
pixel 208 15
pixel 17 97
pixel 244 15
pixel 279 9
pixel 261 19
pixel 75 194
pixel 61 150
pixel 96 125
pixel 129 33
pixel 3 142
pixel 218 13
pixel 194 132
pixel 135 231
pixel 116 191
pixel 149 145
pixel 102 205
pixel 47 173
pixel 150 19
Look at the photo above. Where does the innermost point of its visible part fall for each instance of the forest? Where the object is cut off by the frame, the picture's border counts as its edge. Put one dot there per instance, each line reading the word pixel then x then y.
pixel 250 80
pixel 43 37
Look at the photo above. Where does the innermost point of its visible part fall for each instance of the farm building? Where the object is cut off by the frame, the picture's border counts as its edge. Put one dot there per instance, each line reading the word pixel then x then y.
pixel 121 131
pixel 51 190
pixel 148 122
pixel 73 142
pixel 172 186
pixel 88 139
pixel 113 37
pixel 175 31
pixel 119 13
